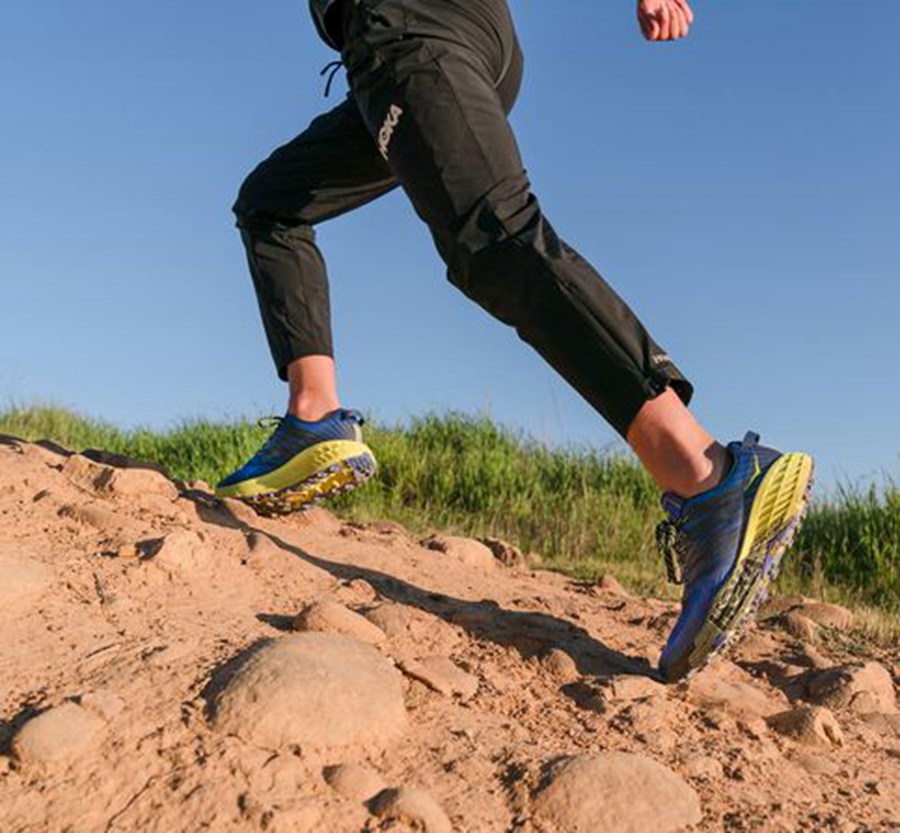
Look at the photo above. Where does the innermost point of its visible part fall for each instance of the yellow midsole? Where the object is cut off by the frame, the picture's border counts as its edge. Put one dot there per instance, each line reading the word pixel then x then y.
pixel 790 472
pixel 297 469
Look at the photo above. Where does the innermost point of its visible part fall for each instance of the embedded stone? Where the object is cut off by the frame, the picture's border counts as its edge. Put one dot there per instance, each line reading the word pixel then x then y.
pixel 738 698
pixel 327 691
pixel 828 615
pixel 467 551
pixel 504 552
pixel 812 725
pixel 358 783
pixel 704 767
pixel 861 688
pixel 615 791
pixel 561 665
pixel 181 552
pixel 333 617
pixel 58 735
pixel 392 618
pixel 800 626
pixel 441 675
pixel 415 806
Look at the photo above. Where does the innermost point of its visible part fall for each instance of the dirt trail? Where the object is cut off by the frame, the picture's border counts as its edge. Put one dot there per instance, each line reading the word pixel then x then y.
pixel 171 663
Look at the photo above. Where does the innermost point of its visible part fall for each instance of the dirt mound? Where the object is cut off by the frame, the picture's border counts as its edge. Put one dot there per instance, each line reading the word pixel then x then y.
pixel 152 678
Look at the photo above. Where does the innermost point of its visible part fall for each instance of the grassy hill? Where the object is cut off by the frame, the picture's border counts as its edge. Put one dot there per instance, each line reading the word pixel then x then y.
pixel 584 511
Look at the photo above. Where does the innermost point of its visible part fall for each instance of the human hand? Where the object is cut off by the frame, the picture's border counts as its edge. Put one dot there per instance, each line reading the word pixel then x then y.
pixel 664 19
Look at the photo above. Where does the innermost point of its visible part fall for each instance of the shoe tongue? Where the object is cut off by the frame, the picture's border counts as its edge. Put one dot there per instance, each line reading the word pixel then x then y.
pixel 673 505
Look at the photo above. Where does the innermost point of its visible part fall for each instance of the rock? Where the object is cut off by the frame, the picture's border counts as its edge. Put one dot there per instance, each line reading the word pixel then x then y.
pixel 392 618
pixel 333 617
pixel 738 698
pixel 812 725
pixel 412 805
pixel 91 515
pixel 328 691
pixel 615 791
pixel 180 553
pixel 883 724
pixel 262 550
pixel 779 605
pixel 358 783
pixel 627 687
pixel 560 665
pixel 58 735
pixel 612 585
pixel 108 481
pixel 861 688
pixel 21 580
pixel 239 511
pixel 828 615
pixel 757 645
pixel 800 626
pixel 131 483
pixel 814 764
pixel 390 528
pixel 83 473
pixel 441 675
pixel 813 658
pixel 468 551
pixel 704 767
pixel 104 704
pixel 357 591
pixel 123 461
pixel 504 552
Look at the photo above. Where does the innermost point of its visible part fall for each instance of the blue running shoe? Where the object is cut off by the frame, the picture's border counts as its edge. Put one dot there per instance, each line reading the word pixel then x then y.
pixel 725 546
pixel 303 463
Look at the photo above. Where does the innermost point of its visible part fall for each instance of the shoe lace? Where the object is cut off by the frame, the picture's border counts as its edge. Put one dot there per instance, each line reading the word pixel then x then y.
pixel 669 544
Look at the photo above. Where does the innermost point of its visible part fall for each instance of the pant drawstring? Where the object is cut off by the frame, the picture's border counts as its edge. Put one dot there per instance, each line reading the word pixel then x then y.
pixel 332 67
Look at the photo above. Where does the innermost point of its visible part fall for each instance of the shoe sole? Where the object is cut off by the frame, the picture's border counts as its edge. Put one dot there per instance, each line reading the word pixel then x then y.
pixel 323 471
pixel 777 512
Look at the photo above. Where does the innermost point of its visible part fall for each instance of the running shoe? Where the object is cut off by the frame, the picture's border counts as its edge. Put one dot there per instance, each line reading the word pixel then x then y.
pixel 725 546
pixel 303 463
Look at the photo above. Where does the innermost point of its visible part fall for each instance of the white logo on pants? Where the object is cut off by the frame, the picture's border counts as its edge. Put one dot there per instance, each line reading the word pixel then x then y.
pixel 387 129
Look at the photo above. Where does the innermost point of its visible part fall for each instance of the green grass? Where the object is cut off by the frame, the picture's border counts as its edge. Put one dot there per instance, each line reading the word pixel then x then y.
pixel 584 511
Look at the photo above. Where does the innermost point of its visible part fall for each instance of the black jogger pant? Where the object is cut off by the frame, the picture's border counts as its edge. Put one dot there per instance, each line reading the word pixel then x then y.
pixel 431 83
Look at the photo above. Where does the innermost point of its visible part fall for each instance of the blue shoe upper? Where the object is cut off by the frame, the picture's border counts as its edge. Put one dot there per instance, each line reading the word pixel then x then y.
pixel 702 538
pixel 291 437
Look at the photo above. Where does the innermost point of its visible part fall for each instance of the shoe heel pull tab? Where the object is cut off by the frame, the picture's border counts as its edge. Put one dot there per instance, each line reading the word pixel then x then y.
pixel 356 416
pixel 750 439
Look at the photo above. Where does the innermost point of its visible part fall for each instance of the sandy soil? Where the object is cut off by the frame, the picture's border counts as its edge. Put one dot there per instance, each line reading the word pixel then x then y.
pixel 172 663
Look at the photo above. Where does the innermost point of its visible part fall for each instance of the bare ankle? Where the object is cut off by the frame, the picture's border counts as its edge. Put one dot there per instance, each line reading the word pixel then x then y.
pixel 313 393
pixel 312 409
pixel 707 475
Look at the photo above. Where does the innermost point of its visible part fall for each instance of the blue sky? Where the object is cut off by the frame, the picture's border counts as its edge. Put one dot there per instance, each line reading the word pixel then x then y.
pixel 740 189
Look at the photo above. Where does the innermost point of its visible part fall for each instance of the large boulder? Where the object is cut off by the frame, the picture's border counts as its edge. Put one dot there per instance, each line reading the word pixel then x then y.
pixel 326 691
pixel 615 792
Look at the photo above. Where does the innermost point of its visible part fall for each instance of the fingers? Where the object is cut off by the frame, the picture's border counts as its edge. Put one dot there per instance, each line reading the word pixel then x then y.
pixel 686 9
pixel 664 16
pixel 670 21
